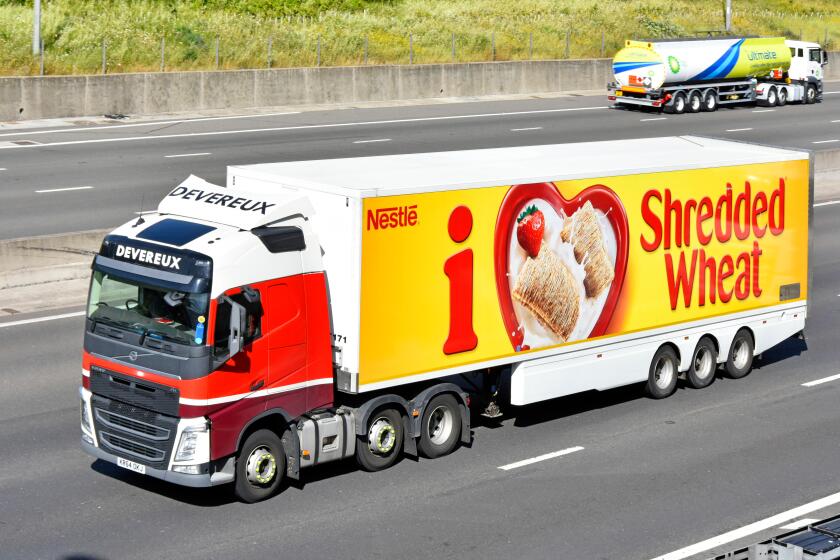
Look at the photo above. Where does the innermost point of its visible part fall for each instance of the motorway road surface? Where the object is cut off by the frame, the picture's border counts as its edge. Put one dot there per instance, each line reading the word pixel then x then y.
pixel 52 178
pixel 652 477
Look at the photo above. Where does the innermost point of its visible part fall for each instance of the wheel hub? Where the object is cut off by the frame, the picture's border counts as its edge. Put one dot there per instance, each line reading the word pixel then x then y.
pixel 703 363
pixel 440 425
pixel 740 354
pixel 663 373
pixel 261 466
pixel 382 436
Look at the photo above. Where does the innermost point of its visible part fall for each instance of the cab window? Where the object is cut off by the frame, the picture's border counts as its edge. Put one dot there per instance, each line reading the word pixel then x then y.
pixel 253 319
pixel 814 55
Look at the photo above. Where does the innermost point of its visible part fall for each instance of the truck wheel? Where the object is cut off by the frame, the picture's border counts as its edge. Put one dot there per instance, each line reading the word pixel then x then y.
pixel 679 104
pixel 810 94
pixel 381 446
pixel 441 427
pixel 662 377
pixel 782 97
pixel 259 467
pixel 772 97
pixel 740 358
pixel 710 101
pixel 701 372
pixel 695 102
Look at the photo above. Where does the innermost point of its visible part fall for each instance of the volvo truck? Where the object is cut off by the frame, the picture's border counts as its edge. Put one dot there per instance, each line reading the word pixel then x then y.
pixel 367 308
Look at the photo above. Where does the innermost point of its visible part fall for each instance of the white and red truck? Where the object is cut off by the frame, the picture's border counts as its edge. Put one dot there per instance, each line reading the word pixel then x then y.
pixel 318 310
pixel 693 75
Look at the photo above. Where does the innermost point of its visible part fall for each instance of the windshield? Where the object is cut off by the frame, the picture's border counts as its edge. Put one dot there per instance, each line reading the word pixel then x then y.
pixel 156 313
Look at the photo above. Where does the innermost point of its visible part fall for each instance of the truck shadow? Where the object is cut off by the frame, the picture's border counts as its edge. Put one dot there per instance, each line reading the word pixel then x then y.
pixel 201 497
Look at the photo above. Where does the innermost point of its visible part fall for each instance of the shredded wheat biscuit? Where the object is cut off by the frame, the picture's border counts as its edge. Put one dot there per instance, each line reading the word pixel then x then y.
pixel 583 232
pixel 546 288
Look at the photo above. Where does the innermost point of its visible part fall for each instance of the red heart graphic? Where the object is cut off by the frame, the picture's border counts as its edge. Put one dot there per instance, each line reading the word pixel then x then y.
pixel 602 198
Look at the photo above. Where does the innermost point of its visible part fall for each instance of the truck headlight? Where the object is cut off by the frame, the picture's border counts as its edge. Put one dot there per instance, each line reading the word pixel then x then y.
pixel 194 443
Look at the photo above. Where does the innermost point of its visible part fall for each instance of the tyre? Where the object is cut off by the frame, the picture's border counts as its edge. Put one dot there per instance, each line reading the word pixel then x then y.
pixel 440 430
pixel 701 372
pixel 677 106
pixel 695 102
pixel 382 445
pixel 782 97
pixel 710 101
pixel 772 97
pixel 739 362
pixel 260 467
pixel 662 376
pixel 810 94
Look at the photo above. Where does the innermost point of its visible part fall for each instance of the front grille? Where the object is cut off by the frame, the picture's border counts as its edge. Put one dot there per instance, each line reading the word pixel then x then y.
pixel 134 433
pixel 131 448
pixel 114 420
pixel 142 393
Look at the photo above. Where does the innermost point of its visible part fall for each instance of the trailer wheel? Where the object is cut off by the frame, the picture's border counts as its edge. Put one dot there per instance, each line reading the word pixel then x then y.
pixel 662 377
pixel 701 372
pixel 710 101
pixel 259 467
pixel 678 106
pixel 772 97
pixel 740 358
pixel 782 100
pixel 382 443
pixel 695 102
pixel 441 427
pixel 810 94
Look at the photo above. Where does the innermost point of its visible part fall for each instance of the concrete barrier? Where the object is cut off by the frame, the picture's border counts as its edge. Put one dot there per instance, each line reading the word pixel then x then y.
pixel 26 98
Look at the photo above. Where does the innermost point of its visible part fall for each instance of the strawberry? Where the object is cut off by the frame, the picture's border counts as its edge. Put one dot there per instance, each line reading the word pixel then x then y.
pixel 529 230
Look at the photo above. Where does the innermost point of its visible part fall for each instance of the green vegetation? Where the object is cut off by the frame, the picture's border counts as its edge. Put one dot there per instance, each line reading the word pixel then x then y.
pixel 74 30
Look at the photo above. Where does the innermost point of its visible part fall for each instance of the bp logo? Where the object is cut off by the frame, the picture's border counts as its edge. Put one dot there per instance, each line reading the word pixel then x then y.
pixel 674 64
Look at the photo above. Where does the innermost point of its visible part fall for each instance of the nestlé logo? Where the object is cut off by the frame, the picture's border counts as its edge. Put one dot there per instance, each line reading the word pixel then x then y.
pixel 393 217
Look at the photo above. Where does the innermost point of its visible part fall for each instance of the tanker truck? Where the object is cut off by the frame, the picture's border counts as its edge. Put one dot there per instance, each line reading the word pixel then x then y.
pixel 693 75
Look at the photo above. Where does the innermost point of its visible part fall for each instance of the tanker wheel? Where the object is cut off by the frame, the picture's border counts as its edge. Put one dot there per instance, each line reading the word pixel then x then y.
pixel 782 101
pixel 810 94
pixel 772 97
pixel 678 105
pixel 695 102
pixel 259 467
pixel 382 443
pixel 710 102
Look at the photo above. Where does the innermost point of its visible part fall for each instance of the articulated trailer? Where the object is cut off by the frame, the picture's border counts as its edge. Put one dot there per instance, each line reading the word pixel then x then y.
pixel 694 75
pixel 321 310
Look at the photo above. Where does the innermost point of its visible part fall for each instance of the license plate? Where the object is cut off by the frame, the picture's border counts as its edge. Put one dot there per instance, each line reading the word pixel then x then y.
pixel 131 465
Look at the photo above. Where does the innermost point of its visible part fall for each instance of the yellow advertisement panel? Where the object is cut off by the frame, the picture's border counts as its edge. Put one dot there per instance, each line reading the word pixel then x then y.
pixel 464 276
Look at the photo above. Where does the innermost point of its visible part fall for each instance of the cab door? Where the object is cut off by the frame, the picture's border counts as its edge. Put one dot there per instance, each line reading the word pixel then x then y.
pixel 287 345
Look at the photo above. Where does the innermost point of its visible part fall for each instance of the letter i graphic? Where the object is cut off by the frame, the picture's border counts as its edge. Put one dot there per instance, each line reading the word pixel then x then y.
pixel 459 269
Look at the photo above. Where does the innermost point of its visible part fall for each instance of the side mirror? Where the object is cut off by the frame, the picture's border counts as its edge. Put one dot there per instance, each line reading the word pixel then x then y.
pixel 237 328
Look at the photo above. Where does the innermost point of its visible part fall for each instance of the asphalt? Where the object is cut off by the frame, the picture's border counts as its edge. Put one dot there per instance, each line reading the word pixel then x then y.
pixel 653 477
pixel 129 170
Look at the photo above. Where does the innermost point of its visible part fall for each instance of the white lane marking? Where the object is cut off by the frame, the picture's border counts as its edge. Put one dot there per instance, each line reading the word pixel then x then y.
pixel 524 129
pixel 816 382
pixel 835 121
pixel 41 319
pixel 825 141
pixel 64 189
pixel 798 524
pixel 752 528
pixel 539 458
pixel 372 141
pixel 149 123
pixel 189 155
pixel 2 169
pixel 830 92
pixel 738 129
pixel 297 127
pixel 826 203
pixel 763 110
pixel 656 119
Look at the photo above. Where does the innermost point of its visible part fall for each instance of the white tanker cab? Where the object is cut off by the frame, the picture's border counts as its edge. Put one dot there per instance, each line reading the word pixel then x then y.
pixel 689 76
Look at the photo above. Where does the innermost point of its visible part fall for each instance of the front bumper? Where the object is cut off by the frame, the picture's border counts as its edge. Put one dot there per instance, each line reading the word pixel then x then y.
pixel 193 480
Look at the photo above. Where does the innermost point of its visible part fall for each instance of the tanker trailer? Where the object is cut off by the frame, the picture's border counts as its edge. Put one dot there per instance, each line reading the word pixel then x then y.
pixel 693 75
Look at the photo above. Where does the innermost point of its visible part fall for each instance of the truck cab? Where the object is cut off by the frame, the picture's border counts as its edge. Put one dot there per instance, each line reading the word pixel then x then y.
pixel 806 61
pixel 203 316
